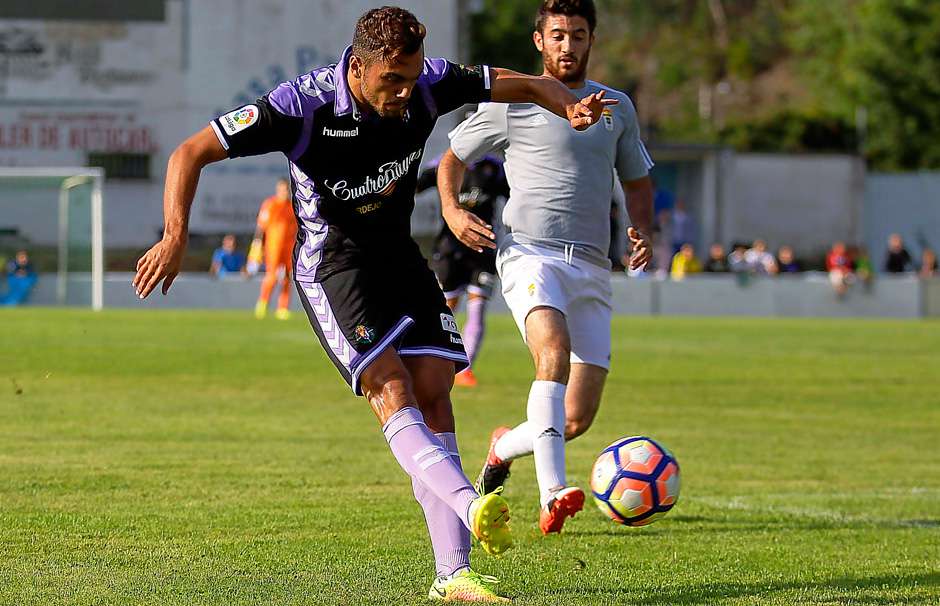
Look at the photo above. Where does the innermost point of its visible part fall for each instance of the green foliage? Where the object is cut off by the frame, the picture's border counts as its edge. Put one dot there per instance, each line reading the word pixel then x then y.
pixel 791 131
pixel 502 35
pixel 179 458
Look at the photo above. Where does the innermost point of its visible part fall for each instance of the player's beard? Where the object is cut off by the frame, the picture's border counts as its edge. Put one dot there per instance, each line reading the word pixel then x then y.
pixel 376 105
pixel 553 67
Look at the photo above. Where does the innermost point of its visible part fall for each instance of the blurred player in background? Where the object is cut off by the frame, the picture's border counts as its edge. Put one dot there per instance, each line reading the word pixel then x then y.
pixel 354 134
pixel 553 260
pixel 277 231
pixel 460 269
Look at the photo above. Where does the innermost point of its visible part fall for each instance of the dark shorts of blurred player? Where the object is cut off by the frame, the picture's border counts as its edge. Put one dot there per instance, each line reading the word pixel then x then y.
pixel 460 270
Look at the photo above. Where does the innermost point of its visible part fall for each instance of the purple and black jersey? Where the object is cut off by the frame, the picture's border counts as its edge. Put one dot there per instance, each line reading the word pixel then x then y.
pixel 360 275
pixel 353 175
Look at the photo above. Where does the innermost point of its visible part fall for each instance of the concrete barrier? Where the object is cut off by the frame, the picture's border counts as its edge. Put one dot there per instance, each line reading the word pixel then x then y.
pixel 803 295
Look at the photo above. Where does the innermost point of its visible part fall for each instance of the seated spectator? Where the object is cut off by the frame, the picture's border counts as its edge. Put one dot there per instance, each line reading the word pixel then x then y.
pixel 716 260
pixel 21 278
pixel 227 260
pixel 861 264
pixel 786 262
pixel 683 227
pixel 685 263
pixel 898 260
pixel 737 260
pixel 839 266
pixel 928 264
pixel 759 261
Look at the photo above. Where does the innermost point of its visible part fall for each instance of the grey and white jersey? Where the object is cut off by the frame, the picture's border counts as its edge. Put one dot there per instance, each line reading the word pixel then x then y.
pixel 561 180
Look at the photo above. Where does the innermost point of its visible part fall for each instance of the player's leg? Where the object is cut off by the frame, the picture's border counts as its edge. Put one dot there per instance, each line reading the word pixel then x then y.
pixel 283 299
pixel 583 398
pixel 432 379
pixel 589 318
pixel 271 260
pixel 479 291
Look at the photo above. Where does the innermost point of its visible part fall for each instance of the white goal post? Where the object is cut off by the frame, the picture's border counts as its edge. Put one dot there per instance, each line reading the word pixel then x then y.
pixel 66 180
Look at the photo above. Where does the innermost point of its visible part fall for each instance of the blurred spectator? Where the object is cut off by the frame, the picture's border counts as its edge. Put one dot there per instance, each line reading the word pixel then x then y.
pixel 786 262
pixel 898 260
pixel 717 263
pixel 662 242
pixel 613 249
pixel 839 266
pixel 21 278
pixel 662 199
pixel 861 263
pixel 227 260
pixel 685 263
pixel 759 260
pixel 928 264
pixel 683 227
pixel 737 260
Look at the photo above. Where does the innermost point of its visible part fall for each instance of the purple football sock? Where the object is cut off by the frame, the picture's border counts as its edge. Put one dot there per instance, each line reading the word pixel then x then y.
pixel 473 330
pixel 423 457
pixel 450 539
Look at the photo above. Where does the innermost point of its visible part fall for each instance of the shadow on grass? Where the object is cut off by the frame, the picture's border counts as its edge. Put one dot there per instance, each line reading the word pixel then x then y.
pixel 855 590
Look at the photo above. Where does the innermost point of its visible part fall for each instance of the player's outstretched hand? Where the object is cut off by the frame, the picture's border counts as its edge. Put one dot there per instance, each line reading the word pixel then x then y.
pixel 642 248
pixel 159 264
pixel 588 110
pixel 470 229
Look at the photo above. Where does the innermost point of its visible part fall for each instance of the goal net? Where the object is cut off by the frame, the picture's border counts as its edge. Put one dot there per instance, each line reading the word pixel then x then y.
pixel 55 215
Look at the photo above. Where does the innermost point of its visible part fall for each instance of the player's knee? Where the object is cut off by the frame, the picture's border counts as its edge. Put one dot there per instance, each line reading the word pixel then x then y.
pixel 388 389
pixel 575 427
pixel 552 362
pixel 438 413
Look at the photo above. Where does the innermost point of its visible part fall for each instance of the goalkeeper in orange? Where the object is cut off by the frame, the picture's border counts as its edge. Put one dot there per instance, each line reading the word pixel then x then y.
pixel 277 232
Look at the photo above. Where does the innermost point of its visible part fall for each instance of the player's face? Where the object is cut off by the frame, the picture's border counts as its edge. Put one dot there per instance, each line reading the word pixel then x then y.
pixel 387 86
pixel 565 43
pixel 281 191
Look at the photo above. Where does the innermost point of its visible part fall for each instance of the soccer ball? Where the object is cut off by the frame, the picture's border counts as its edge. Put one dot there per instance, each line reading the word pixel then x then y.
pixel 635 481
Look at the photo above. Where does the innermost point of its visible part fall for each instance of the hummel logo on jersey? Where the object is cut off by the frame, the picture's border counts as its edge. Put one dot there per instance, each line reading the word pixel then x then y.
pixel 329 132
pixel 551 432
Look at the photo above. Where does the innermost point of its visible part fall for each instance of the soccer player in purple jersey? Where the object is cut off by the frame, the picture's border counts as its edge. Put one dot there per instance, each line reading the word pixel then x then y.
pixel 354 134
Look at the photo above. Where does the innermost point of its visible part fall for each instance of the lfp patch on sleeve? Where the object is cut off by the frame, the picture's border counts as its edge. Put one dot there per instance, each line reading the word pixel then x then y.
pixel 240 119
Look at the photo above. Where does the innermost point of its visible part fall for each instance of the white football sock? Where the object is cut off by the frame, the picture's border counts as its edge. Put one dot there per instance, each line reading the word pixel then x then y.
pixel 515 443
pixel 546 413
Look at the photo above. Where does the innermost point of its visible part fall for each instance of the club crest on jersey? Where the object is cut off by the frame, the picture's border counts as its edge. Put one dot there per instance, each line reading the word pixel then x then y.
pixel 240 119
pixel 608 117
pixel 449 324
pixel 364 334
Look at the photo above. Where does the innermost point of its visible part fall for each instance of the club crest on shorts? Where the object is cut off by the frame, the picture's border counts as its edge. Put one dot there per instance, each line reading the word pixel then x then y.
pixel 364 334
pixel 532 289
pixel 449 324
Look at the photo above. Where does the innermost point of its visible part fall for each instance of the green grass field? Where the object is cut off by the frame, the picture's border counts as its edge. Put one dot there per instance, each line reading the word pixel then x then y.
pixel 208 458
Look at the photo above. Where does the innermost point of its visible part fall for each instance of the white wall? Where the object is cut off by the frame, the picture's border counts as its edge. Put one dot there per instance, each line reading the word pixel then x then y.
pixel 75 87
pixel 805 201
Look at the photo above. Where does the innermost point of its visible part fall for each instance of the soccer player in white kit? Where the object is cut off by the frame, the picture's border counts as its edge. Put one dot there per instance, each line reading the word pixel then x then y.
pixel 553 261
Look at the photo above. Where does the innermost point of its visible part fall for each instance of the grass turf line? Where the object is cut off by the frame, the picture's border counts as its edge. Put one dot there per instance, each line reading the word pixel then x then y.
pixel 209 458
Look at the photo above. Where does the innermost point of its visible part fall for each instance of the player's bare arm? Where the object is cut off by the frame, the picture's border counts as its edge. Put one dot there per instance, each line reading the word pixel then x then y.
pixel 513 87
pixel 640 208
pixel 162 262
pixel 470 229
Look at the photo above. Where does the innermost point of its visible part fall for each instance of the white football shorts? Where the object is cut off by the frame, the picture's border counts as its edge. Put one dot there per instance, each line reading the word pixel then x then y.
pixel 535 276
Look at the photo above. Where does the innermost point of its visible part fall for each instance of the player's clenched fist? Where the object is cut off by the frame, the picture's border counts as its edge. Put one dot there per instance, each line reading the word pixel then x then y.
pixel 470 229
pixel 160 263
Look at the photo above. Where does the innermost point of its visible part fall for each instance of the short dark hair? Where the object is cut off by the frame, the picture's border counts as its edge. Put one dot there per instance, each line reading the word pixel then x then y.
pixel 387 32
pixel 571 8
